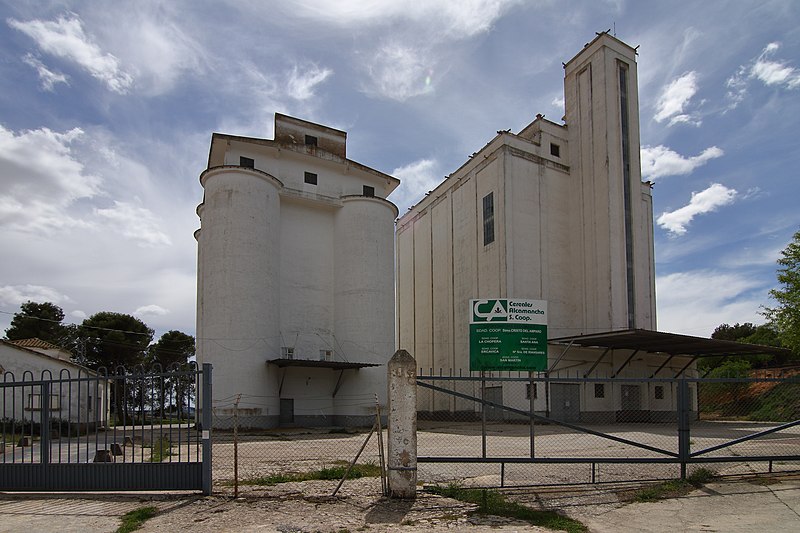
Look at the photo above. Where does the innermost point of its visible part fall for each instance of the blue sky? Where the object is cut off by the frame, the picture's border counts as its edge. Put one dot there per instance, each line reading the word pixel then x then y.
pixel 107 110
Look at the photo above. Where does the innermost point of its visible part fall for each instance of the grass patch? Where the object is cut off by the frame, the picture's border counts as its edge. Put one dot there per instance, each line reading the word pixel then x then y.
pixel 335 472
pixel 491 502
pixel 133 520
pixel 673 488
pixel 159 450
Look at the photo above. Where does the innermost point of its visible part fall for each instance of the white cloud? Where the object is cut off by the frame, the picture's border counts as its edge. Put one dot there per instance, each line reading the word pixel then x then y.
pixel 47 76
pixel 659 161
pixel 14 295
pixel 698 301
pixel 774 72
pixel 42 176
pixel 66 39
pixel 763 68
pixel 702 202
pixel 399 72
pixel 675 97
pixel 453 19
pixel 302 81
pixel 150 310
pixel 416 179
pixel 136 223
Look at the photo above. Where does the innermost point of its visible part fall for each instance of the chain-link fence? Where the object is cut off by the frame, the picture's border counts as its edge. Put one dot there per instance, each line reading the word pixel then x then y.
pixel 518 429
pixel 244 456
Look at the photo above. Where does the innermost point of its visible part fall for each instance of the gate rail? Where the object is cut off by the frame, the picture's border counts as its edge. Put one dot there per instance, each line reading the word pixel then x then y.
pixel 684 409
pixel 98 431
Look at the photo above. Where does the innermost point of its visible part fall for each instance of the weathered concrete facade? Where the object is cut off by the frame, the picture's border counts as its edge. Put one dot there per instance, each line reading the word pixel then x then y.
pixel 295 262
pixel 555 212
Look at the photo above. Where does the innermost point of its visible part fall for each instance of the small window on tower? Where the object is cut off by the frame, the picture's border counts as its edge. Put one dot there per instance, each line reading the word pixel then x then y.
pixel 659 392
pixel 488 219
pixel 369 191
pixel 247 162
pixel 311 140
pixel 311 178
pixel 326 355
pixel 599 390
pixel 287 352
pixel 555 150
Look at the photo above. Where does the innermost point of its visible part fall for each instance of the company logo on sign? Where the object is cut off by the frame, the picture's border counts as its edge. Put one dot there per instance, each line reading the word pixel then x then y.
pixel 508 334
pixel 489 311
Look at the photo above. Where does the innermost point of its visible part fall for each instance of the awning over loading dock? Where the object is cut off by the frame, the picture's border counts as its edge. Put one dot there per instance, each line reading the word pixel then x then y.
pixel 341 366
pixel 657 342
pixel 668 343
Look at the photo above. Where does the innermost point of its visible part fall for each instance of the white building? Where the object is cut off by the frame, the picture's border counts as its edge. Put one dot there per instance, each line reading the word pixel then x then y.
pixel 556 212
pixel 77 394
pixel 295 278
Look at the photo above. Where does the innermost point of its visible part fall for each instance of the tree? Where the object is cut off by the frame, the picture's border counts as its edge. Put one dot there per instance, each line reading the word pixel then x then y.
pixel 39 320
pixel 111 339
pixel 173 348
pixel 115 340
pixel 172 352
pixel 786 315
pixel 736 332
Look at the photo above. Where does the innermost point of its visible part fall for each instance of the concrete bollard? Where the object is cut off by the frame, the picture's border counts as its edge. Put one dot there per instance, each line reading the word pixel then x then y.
pixel 402 448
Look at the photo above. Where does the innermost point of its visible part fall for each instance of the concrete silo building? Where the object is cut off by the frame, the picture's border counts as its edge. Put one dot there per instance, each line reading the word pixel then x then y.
pixel 295 302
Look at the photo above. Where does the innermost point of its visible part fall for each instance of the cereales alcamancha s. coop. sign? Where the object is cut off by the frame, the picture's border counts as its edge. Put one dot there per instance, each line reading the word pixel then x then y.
pixel 508 334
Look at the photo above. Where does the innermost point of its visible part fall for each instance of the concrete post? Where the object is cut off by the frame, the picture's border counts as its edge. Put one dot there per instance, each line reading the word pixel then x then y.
pixel 402 452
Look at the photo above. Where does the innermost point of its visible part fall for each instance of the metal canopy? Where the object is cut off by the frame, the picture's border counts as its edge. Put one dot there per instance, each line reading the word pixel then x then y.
pixel 668 343
pixel 310 363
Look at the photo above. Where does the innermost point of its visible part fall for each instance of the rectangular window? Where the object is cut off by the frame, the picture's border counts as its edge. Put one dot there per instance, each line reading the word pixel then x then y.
pixel 247 162
pixel 287 352
pixel 555 150
pixel 311 178
pixel 35 402
pixel 326 355
pixel 659 392
pixel 89 403
pixel 488 219
pixel 311 140
pixel 599 390
pixel 369 191
pixel 528 387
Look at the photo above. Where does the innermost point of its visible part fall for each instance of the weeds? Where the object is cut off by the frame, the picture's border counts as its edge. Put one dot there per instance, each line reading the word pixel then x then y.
pixel 160 450
pixel 491 502
pixel 133 520
pixel 674 487
pixel 328 473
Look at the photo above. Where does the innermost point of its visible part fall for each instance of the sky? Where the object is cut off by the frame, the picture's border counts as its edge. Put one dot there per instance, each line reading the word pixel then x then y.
pixel 107 110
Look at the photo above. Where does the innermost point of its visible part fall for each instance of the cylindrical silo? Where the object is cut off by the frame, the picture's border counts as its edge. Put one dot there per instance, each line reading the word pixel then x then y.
pixel 364 300
pixel 238 311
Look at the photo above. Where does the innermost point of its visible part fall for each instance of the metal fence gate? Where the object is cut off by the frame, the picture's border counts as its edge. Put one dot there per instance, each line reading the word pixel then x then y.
pixel 97 431
pixel 577 430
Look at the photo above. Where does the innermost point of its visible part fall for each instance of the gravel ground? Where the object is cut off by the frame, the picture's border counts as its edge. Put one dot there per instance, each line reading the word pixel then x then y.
pixel 308 507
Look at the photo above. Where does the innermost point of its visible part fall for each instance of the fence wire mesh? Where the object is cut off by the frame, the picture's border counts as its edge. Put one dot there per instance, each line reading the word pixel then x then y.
pixel 479 432
pixel 519 429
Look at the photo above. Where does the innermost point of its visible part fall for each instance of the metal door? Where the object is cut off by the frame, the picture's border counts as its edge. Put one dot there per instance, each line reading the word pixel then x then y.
pixel 494 395
pixel 287 411
pixel 565 404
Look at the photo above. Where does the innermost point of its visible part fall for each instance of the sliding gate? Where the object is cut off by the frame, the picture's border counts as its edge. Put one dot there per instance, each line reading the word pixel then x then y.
pixel 88 431
pixel 565 430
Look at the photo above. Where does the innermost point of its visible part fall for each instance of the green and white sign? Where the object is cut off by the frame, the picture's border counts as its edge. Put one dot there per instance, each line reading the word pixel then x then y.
pixel 506 334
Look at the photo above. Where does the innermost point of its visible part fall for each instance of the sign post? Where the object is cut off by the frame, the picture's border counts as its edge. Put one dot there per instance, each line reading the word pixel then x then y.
pixel 508 334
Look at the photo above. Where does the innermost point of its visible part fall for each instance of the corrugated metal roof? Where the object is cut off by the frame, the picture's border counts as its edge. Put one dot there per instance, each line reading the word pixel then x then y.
pixel 669 343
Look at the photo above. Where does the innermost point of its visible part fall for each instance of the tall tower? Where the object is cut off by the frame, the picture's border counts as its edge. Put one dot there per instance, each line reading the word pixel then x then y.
pixel 613 219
